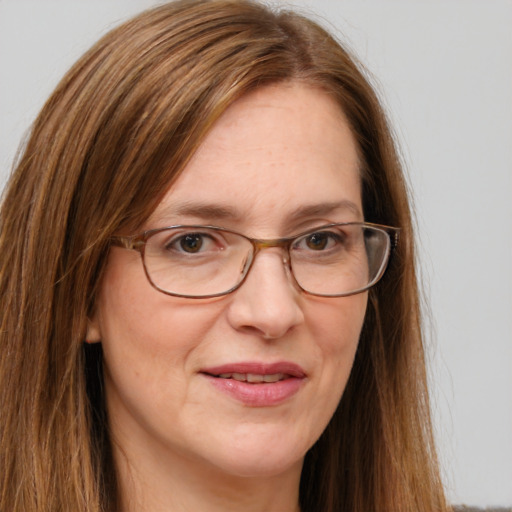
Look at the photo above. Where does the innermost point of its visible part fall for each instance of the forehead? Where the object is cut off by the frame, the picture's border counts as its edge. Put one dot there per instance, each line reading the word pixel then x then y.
pixel 276 152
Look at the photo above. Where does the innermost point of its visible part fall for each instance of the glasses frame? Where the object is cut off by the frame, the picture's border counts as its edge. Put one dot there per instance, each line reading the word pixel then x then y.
pixel 138 243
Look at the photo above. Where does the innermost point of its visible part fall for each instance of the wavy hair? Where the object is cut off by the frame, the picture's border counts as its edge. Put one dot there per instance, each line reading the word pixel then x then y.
pixel 108 144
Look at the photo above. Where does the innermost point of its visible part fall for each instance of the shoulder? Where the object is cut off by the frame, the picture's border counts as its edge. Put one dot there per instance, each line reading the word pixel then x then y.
pixel 464 508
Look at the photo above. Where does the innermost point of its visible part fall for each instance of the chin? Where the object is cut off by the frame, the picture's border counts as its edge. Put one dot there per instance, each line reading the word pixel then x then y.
pixel 262 455
pixel 262 467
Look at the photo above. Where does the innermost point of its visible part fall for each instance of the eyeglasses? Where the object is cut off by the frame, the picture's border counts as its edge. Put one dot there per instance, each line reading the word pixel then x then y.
pixel 333 260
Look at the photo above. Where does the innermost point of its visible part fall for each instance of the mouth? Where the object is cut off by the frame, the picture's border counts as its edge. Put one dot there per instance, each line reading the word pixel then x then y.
pixel 255 384
pixel 254 378
pixel 257 373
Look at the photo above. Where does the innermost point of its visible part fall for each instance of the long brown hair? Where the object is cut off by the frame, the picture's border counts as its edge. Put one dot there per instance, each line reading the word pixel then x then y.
pixel 107 145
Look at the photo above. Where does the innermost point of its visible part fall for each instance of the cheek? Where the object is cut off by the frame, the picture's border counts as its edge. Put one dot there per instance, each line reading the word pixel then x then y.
pixel 134 315
pixel 337 323
pixel 147 337
pixel 150 342
pixel 337 327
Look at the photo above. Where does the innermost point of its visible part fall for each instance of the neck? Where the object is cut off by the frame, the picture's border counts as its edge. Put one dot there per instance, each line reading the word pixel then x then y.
pixel 177 484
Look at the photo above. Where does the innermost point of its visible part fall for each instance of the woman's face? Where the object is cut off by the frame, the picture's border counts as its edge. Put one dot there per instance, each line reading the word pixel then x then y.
pixel 278 162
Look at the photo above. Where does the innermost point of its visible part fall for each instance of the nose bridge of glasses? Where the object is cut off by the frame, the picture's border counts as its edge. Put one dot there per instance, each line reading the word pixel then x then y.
pixel 282 251
pixel 281 243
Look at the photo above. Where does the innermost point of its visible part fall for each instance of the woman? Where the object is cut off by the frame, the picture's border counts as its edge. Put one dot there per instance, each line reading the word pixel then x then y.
pixel 194 315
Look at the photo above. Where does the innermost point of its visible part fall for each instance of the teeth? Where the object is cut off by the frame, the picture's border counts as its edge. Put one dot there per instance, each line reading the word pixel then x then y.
pixel 273 378
pixel 253 378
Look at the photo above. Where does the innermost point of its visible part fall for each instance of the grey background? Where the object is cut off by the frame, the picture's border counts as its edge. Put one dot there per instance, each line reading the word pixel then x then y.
pixel 444 70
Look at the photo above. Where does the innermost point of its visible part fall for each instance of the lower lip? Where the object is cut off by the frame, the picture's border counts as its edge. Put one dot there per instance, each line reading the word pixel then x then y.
pixel 263 394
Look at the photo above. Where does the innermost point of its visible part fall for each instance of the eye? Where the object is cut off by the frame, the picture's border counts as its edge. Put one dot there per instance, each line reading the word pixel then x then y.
pixel 193 243
pixel 319 241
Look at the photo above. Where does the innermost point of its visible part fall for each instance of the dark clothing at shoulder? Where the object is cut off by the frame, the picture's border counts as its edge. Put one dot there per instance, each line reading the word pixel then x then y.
pixel 464 508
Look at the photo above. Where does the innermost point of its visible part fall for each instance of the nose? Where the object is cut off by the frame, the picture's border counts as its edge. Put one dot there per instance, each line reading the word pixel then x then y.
pixel 268 302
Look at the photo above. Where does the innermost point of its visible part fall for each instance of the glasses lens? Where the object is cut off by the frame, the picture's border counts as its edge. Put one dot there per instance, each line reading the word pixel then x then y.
pixel 340 260
pixel 196 261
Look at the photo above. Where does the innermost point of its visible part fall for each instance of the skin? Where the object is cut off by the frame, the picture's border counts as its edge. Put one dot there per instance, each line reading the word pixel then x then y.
pixel 180 443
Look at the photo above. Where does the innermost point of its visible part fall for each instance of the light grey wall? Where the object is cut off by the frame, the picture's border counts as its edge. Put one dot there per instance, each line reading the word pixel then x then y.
pixel 444 68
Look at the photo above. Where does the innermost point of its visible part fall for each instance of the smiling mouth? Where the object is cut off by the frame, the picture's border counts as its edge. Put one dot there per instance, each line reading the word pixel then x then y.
pixel 257 384
pixel 254 378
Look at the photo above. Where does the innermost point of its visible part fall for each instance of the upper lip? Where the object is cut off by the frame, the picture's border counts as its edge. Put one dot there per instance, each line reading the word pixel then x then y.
pixel 257 368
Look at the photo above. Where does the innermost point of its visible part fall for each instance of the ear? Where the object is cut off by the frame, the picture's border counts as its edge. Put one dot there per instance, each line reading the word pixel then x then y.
pixel 93 330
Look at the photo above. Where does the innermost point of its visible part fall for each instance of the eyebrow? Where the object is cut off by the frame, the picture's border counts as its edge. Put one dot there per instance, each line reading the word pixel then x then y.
pixel 206 211
pixel 212 212
pixel 325 209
